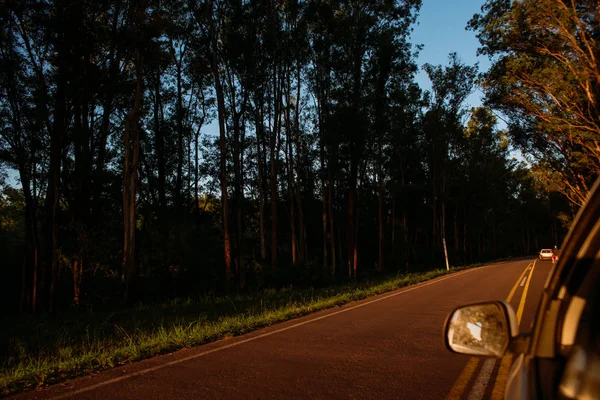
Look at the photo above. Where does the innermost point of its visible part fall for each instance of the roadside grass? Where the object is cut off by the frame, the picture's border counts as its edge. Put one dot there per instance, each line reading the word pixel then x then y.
pixel 53 348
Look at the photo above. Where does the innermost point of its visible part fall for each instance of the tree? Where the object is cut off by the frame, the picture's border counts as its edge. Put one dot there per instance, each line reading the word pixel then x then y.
pixel 450 85
pixel 213 15
pixel 328 161
pixel 545 78
pixel 131 144
pixel 21 133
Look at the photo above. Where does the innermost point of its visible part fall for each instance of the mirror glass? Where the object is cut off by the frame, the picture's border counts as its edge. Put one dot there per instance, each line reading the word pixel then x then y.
pixel 480 329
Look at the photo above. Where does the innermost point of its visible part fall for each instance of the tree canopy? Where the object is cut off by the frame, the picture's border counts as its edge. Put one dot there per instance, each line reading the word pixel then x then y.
pixel 172 148
pixel 545 78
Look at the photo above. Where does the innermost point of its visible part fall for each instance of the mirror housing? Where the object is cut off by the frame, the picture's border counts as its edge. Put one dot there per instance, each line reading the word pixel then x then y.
pixel 483 329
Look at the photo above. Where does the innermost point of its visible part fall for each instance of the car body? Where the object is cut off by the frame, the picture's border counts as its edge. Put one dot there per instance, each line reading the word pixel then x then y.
pixel 545 254
pixel 560 357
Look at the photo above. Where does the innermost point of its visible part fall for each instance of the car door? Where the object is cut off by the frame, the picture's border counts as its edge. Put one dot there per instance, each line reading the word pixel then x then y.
pixel 550 365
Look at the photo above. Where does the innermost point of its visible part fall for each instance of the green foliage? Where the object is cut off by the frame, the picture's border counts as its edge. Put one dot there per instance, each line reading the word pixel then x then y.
pixel 55 348
pixel 545 79
pixel 12 208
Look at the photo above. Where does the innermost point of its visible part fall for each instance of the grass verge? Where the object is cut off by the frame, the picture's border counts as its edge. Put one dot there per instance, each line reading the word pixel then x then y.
pixel 54 348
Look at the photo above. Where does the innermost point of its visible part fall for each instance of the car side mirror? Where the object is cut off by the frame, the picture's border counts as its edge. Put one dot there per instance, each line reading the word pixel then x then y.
pixel 483 329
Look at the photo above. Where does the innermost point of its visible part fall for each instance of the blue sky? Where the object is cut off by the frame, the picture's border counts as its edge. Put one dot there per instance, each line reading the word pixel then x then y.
pixel 441 29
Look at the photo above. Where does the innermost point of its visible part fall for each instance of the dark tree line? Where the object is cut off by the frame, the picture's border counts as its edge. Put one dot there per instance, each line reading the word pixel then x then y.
pixel 165 148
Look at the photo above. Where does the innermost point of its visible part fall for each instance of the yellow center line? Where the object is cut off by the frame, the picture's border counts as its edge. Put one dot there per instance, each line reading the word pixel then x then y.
pixel 461 383
pixel 501 377
pixel 524 295
pixel 498 391
pixel 514 288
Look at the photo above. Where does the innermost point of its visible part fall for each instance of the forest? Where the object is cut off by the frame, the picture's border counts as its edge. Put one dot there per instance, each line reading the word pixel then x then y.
pixel 157 149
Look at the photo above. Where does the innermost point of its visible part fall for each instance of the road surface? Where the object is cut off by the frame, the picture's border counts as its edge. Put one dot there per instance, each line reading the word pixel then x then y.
pixel 385 347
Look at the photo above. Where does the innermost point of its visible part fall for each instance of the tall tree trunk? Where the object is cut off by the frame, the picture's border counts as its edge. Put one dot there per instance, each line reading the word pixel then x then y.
pixel 323 176
pixel 328 140
pixel 332 222
pixel 237 167
pixel 528 248
pixel 303 248
pixel 236 116
pixel 331 165
pixel 241 199
pixel 324 205
pixel 356 143
pixel 26 166
pixel 222 143
pixel 180 156
pixel 406 246
pixel 196 165
pixel 380 263
pixel 77 277
pixel 261 195
pixel 303 252
pixel 494 243
pixel 107 105
pixel 384 61
pixel 434 216
pixel 273 178
pixel 393 221
pixel 355 242
pixel 51 264
pixel 339 244
pixel 350 231
pixel 443 211
pixel 275 144
pixel 159 144
pixel 31 265
pixel 381 232
pixel 79 206
pixel 405 235
pixel 188 194
pixel 131 157
pixel 290 162
pixel 83 170
pixel 456 238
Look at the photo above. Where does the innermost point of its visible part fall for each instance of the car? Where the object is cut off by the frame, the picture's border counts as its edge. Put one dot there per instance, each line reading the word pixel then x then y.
pixel 546 254
pixel 560 357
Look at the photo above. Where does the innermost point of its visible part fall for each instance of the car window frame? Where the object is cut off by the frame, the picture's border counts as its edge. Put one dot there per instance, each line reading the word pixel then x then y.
pixel 582 228
pixel 540 355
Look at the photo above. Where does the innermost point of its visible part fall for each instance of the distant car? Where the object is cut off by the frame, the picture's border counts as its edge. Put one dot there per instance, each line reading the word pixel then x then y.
pixel 546 254
pixel 560 357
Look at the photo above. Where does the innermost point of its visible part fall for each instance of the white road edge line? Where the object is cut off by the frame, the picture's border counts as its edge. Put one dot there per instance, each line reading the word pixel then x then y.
pixel 481 383
pixel 181 360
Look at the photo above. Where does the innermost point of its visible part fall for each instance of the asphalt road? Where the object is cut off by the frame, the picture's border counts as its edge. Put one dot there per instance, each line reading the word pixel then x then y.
pixel 385 347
